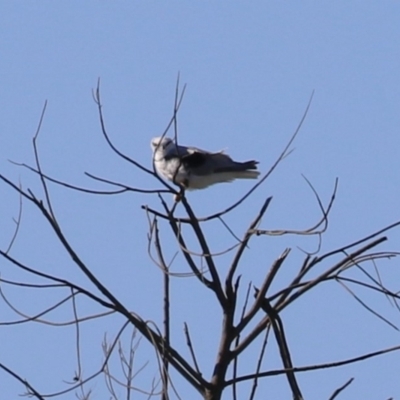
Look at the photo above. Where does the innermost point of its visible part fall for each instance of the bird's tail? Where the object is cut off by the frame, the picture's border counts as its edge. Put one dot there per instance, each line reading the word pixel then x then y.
pixel 248 164
pixel 243 170
pixel 249 172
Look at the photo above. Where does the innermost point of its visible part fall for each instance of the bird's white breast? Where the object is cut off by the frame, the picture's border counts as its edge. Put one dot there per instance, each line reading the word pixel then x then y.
pixel 171 169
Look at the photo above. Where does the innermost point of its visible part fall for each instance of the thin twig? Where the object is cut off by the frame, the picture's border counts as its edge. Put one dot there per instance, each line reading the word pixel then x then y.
pixel 368 308
pixel 235 360
pixel 259 362
pixel 245 240
pixel 17 224
pixel 340 389
pixel 190 346
pixel 125 187
pixel 35 149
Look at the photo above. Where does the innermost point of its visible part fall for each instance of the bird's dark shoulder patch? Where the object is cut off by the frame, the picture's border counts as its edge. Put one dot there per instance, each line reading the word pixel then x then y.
pixel 194 160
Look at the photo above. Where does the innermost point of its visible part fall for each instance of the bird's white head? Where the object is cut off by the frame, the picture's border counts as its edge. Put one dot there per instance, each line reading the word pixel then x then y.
pixel 161 145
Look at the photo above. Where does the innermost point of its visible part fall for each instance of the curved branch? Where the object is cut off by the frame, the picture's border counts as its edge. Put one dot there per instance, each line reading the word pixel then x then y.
pixel 313 367
pixel 97 99
pixel 309 231
pixel 68 185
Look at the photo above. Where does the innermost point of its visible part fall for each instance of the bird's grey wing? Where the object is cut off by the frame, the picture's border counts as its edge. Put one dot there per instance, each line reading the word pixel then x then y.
pixel 204 163
pixel 177 151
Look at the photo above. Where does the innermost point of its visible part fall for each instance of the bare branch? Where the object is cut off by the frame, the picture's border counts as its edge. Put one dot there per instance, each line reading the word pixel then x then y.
pixel 216 282
pixel 97 100
pixel 284 351
pixel 166 309
pixel 173 356
pixel 258 303
pixel 189 259
pixel 31 390
pixel 77 332
pixel 341 264
pixel 55 279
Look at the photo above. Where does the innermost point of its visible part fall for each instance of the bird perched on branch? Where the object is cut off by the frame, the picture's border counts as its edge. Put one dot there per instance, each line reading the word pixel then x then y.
pixel 192 168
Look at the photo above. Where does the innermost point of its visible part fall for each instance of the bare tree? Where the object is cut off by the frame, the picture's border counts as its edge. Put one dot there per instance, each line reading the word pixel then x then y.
pixel 250 314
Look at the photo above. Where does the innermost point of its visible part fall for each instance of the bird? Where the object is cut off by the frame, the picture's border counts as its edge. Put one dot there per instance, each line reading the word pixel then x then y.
pixel 192 168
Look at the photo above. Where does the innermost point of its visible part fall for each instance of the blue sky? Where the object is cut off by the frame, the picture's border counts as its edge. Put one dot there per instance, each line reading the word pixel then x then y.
pixel 250 69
